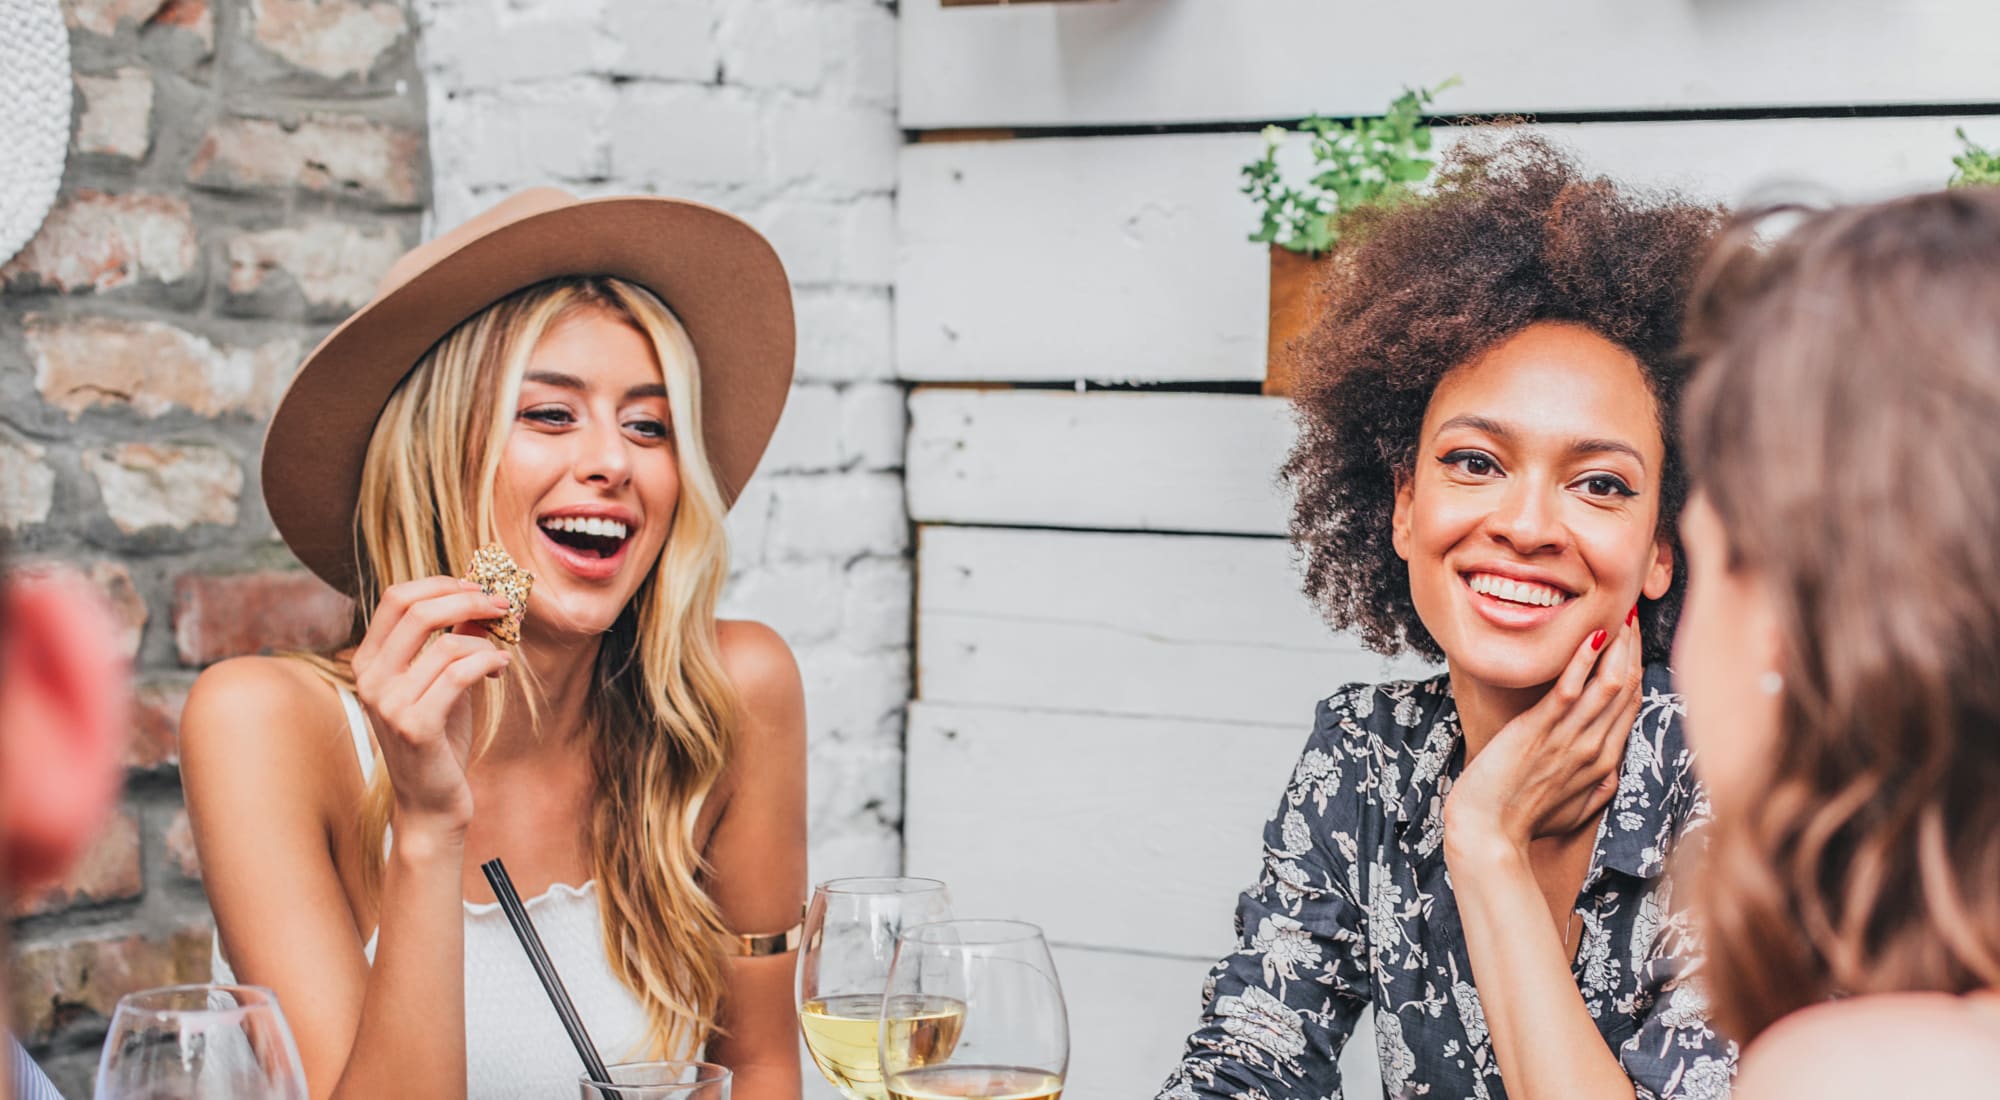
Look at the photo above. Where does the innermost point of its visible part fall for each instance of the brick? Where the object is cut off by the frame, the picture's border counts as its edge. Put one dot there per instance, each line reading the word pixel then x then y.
pixel 121 595
pixel 156 724
pixel 845 334
pixel 153 367
pixel 873 426
pixel 55 984
pixel 109 871
pixel 147 485
pixel 330 38
pixel 808 434
pixel 835 242
pixel 230 614
pixel 193 16
pixel 664 39
pixel 863 66
pixel 116 114
pixel 837 516
pixel 106 16
pixel 510 138
pixel 333 265
pixel 837 148
pixel 98 242
pixel 27 485
pixel 857 698
pixel 676 138
pixel 485 46
pixel 181 852
pixel 797 599
pixel 777 46
pixel 334 154
pixel 875 598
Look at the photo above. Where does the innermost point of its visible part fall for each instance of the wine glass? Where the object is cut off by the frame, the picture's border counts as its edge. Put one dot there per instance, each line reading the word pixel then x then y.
pixel 850 938
pixel 1013 1042
pixel 200 1042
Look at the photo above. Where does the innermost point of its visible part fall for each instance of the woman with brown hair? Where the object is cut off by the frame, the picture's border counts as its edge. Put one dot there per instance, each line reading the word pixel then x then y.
pixel 1484 477
pixel 1840 648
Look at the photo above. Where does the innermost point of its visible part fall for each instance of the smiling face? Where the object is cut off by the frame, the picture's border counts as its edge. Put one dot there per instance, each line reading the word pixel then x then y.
pixel 588 479
pixel 1530 516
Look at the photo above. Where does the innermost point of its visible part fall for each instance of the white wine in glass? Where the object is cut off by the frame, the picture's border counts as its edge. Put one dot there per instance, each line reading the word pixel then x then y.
pixel 850 938
pixel 1013 1041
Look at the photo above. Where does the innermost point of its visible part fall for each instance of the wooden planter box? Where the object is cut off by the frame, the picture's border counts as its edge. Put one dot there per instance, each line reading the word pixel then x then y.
pixel 1294 304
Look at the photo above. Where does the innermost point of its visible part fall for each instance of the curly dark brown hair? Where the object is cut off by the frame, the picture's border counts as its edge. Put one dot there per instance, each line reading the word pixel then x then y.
pixel 1513 234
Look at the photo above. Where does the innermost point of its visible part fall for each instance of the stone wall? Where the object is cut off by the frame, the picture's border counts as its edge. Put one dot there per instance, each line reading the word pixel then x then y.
pixel 241 172
pixel 782 111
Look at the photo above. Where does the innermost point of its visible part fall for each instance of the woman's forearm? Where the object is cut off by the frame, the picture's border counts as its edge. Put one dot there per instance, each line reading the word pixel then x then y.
pixel 1548 1046
pixel 411 1037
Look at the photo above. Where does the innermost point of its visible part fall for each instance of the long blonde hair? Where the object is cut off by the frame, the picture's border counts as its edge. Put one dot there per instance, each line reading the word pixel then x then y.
pixel 663 722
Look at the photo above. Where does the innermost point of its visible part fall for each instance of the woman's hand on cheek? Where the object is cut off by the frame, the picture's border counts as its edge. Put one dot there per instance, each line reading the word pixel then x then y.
pixel 1550 770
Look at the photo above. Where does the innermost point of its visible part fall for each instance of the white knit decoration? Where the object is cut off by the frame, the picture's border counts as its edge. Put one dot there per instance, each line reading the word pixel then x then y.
pixel 35 92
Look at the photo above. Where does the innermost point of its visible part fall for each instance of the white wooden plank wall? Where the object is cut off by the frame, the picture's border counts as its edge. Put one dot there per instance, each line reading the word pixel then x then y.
pixel 1120 259
pixel 1116 668
pixel 1179 61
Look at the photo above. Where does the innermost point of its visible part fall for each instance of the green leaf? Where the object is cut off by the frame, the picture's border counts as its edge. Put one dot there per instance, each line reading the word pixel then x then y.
pixel 1366 160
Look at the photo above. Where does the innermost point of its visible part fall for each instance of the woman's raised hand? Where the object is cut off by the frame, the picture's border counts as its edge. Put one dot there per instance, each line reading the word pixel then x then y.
pixel 1550 770
pixel 424 649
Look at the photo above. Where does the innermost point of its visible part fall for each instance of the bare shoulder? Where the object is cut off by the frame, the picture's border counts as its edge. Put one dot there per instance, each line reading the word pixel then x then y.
pixel 262 713
pixel 761 668
pixel 1896 1044
pixel 757 661
pixel 771 736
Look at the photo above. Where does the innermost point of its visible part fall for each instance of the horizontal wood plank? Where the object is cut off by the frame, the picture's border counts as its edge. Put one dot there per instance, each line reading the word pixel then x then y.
pixel 1192 627
pixel 1133 834
pixel 1153 61
pixel 1124 258
pixel 1125 461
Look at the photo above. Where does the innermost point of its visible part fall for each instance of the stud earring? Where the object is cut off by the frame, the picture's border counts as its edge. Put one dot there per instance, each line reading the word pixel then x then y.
pixel 1771 683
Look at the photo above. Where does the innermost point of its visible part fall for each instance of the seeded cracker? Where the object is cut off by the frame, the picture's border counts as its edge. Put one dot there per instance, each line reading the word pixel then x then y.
pixel 497 575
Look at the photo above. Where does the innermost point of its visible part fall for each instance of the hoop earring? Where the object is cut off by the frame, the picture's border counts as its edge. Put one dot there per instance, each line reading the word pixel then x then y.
pixel 1771 683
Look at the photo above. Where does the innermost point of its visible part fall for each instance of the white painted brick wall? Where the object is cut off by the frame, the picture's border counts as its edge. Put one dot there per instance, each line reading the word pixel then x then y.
pixel 782 111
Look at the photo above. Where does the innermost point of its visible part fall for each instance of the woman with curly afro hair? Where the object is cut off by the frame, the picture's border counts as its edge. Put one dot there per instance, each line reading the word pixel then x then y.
pixel 1486 476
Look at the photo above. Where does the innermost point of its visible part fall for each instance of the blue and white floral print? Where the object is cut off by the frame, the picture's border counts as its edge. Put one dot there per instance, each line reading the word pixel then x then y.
pixel 1355 907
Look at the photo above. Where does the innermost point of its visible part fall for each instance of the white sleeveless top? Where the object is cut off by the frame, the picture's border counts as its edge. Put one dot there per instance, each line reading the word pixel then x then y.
pixel 515 1045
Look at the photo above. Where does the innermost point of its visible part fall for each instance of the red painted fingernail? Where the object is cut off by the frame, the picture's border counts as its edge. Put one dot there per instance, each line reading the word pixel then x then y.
pixel 1597 641
pixel 1633 616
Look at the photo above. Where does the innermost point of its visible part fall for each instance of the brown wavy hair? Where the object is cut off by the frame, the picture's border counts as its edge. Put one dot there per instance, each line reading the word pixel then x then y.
pixel 1513 234
pixel 1845 423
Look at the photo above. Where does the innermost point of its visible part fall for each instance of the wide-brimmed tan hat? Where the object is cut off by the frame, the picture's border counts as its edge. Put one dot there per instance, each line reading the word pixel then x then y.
pixel 719 276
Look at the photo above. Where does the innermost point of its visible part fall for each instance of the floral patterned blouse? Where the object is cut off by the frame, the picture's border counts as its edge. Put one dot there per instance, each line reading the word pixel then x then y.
pixel 1354 907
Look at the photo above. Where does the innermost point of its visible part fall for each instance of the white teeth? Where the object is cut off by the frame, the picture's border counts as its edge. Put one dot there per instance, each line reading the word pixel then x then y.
pixel 1524 592
pixel 587 525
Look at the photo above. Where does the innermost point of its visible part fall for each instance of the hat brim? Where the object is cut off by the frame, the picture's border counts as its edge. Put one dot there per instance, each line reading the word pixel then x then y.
pixel 721 278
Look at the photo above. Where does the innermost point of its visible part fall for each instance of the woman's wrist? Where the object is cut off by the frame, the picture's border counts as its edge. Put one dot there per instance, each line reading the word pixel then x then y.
pixel 1475 845
pixel 422 837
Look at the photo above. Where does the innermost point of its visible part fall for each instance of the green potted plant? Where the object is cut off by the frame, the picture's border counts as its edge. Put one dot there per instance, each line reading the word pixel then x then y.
pixel 1977 165
pixel 1356 163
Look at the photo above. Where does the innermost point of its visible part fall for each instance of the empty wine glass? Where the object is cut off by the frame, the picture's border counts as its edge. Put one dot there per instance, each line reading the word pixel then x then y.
pixel 200 1042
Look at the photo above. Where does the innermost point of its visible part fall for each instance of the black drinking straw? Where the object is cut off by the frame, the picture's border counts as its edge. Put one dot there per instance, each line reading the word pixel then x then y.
pixel 538 956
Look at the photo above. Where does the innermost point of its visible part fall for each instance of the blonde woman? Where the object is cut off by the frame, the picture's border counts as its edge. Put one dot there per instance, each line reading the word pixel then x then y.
pixel 588 385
